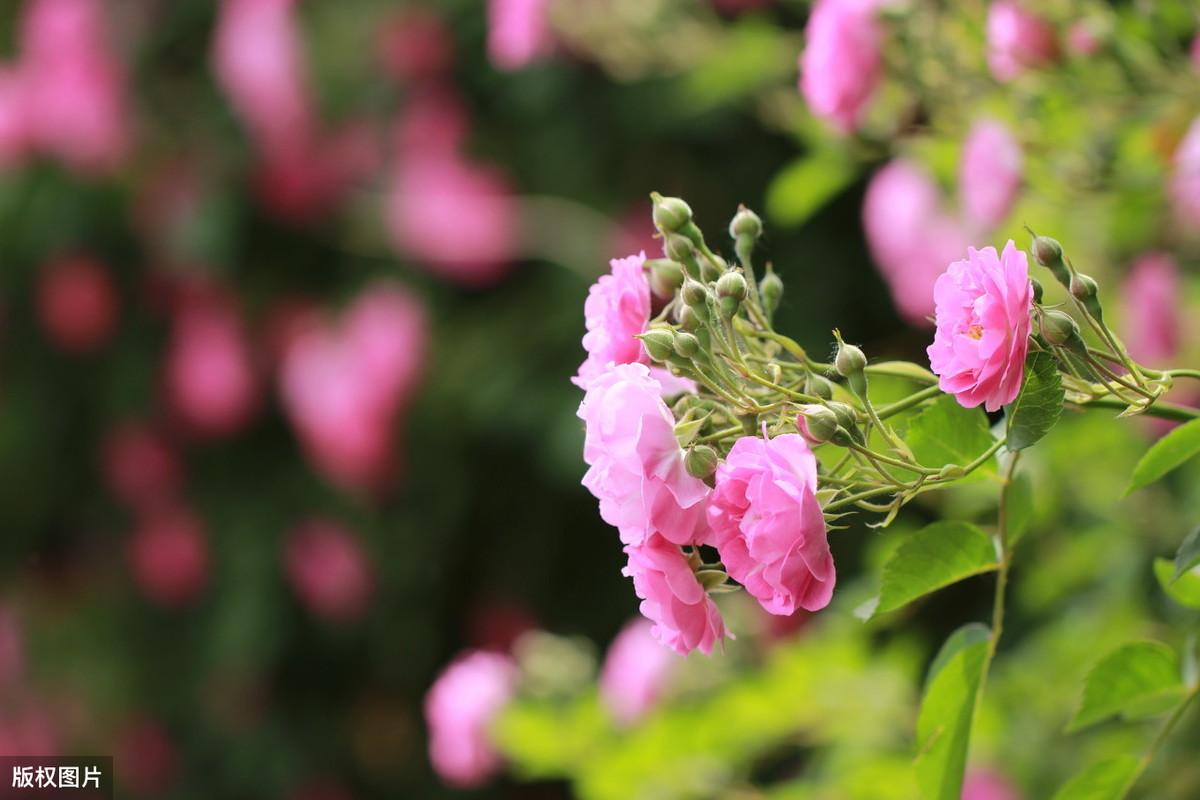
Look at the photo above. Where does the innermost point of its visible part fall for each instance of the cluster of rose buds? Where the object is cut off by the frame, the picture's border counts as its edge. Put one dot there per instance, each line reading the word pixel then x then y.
pixel 701 419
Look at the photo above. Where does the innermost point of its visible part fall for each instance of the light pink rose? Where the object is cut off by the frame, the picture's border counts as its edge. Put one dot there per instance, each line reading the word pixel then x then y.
pixel 1183 187
pixel 74 85
pixel 989 173
pixel 635 672
pixel 210 377
pixel 910 237
pixel 983 327
pixel 768 526
pixel 77 304
pixel 168 554
pixel 616 310
pixel 981 784
pixel 258 61
pixel 518 33
pixel 1017 40
pixel 459 709
pixel 636 467
pixel 344 385
pixel 840 66
pixel 685 618
pixel 328 570
pixel 1152 315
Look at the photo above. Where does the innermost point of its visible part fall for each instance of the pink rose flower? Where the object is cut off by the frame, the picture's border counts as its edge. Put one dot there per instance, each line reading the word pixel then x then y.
pixel 983 327
pixel 77 304
pixel 841 63
pixel 1183 186
pixel 768 526
pixel 685 618
pixel 989 174
pixel 74 84
pixel 343 385
pixel 983 784
pixel 415 44
pixel 459 708
pixel 636 467
pixel 328 570
pixel 518 33
pixel 635 672
pixel 616 310
pixel 140 467
pixel 168 554
pixel 1152 315
pixel 1017 40
pixel 910 237
pixel 14 118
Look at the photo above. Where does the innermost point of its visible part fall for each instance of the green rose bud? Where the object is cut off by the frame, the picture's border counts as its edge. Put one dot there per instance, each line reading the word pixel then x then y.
pixel 746 224
pixel 659 343
pixel 1059 328
pixel 701 461
pixel 666 276
pixel 686 344
pixel 670 213
pixel 817 424
pixel 770 289
pixel 695 294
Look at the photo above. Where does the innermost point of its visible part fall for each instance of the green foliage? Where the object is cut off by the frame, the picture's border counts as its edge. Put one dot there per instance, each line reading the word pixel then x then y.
pixel 1183 589
pixel 938 555
pixel 806 184
pixel 946 433
pixel 1110 779
pixel 1166 454
pixel 1135 681
pixel 947 710
pixel 1018 507
pixel 1188 555
pixel 1039 404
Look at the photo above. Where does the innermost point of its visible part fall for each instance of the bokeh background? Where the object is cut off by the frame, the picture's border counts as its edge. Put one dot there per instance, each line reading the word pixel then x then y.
pixel 290 296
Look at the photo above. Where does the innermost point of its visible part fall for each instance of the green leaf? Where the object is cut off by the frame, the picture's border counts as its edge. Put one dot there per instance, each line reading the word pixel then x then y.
pixel 1166 454
pixel 1018 506
pixel 1038 406
pixel 946 433
pixel 1184 589
pixel 806 184
pixel 1136 680
pixel 936 556
pixel 944 724
pixel 1110 779
pixel 1188 555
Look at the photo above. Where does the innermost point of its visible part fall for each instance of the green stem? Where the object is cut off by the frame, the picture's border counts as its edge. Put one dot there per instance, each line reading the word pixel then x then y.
pixel 891 409
pixel 1164 733
pixel 722 434
pixel 1158 409
pixel 1182 373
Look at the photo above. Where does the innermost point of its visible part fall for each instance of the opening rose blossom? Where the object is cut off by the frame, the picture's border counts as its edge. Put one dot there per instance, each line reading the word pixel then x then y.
pixel 459 707
pixel 768 526
pixel 685 618
pixel 989 174
pixel 635 672
pixel 616 310
pixel 983 327
pixel 1017 40
pixel 841 62
pixel 636 467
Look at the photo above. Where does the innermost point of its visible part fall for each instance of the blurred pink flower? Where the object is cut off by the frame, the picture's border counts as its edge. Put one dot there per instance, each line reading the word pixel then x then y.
pixel 74 84
pixel 1017 39
pixel 617 309
pixel 635 672
pixel 989 173
pixel 457 217
pixel 1082 39
pixel 210 377
pixel 910 237
pixel 685 618
pixel 28 728
pixel 14 118
pixel 146 758
pixel 328 570
pixel 1151 296
pixel 518 32
pixel 258 61
pixel 12 649
pixel 139 466
pixel 459 708
pixel 1183 186
pixel 168 554
pixel 982 784
pixel 983 327
pixel 768 526
pixel 76 304
pixel 840 66
pixel 343 385
pixel 636 467
pixel 415 44
pixel 303 181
